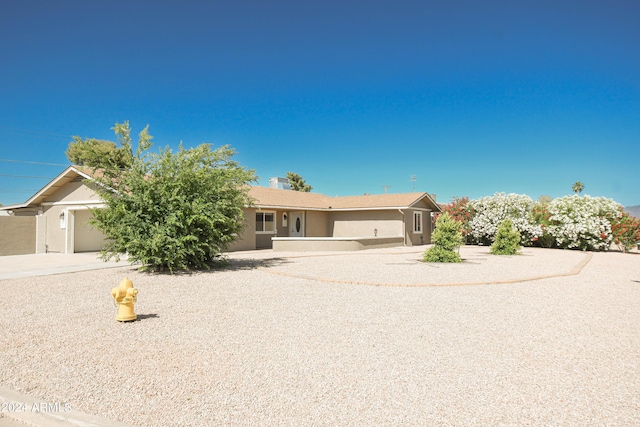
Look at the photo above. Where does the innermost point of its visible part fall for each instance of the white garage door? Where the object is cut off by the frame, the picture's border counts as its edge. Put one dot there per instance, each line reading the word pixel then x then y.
pixel 86 238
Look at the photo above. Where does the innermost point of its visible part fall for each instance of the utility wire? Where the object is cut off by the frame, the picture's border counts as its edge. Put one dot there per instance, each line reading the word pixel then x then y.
pixel 26 176
pixel 33 132
pixel 31 163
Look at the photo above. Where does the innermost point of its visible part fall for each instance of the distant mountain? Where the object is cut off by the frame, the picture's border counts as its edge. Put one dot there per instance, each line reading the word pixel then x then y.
pixel 633 210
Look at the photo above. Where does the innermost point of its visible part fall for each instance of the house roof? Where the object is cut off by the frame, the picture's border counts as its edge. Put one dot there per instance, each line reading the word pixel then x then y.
pixel 287 199
pixel 264 197
pixel 65 177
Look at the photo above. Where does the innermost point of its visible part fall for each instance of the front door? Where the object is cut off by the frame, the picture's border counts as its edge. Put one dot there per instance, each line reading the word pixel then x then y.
pixel 296 224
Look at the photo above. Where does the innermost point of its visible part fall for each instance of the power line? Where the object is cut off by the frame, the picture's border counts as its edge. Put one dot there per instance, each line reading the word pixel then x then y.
pixel 26 176
pixel 32 163
pixel 34 132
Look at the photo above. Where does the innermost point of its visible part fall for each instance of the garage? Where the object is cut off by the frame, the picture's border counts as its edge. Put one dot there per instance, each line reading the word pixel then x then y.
pixel 86 238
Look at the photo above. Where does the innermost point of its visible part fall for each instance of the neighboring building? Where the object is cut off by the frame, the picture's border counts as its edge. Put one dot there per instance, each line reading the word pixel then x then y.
pixel 280 219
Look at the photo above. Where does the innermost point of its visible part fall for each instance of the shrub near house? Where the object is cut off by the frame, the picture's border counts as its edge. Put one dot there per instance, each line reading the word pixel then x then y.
pixel 460 210
pixel 169 210
pixel 447 238
pixel 507 241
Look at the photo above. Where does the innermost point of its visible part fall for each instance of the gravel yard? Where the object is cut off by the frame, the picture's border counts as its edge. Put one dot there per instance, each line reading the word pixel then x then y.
pixel 363 338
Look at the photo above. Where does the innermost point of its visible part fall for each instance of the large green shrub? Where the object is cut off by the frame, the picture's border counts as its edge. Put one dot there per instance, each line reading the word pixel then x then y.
pixel 507 241
pixel 171 210
pixel 447 238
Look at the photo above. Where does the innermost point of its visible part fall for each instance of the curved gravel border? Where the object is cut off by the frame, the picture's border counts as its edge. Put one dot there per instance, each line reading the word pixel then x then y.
pixel 442 281
pixel 242 347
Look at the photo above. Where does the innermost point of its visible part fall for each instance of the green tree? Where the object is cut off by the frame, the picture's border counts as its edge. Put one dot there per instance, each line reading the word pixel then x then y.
pixel 297 183
pixel 447 238
pixel 507 240
pixel 169 210
pixel 97 153
pixel 577 187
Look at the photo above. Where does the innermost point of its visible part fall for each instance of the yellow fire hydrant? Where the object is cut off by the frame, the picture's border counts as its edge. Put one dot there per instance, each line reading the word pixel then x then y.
pixel 124 296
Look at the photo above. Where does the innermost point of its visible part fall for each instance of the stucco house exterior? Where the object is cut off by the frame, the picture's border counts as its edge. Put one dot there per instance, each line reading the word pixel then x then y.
pixel 61 209
pixel 295 221
pixel 281 219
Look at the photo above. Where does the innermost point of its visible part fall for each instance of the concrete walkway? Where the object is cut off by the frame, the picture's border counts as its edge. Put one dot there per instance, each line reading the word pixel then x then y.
pixel 19 266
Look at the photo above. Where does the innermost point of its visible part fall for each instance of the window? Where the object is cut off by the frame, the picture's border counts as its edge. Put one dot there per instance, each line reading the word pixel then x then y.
pixel 265 222
pixel 417 222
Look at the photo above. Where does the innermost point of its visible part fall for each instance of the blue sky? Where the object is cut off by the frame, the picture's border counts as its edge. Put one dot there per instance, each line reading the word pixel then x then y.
pixel 471 98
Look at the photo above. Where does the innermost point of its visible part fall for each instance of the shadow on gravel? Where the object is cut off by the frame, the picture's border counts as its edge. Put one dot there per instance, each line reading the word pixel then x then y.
pixel 220 265
pixel 252 264
pixel 147 316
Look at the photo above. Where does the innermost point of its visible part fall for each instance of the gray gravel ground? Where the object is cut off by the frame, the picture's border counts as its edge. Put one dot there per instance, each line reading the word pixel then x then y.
pixel 278 339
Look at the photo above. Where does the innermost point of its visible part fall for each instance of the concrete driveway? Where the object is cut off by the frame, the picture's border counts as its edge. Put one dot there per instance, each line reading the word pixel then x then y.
pixel 17 266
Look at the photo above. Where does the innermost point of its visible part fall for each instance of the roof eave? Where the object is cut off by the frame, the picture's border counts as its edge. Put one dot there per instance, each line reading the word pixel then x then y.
pixel 330 209
pixel 48 186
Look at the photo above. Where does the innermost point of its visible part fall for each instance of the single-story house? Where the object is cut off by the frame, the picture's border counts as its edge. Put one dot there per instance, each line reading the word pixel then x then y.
pixel 281 219
pixel 298 221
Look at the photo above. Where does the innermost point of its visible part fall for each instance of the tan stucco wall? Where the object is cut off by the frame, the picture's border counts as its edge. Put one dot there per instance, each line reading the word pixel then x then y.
pixel 26 212
pixel 41 229
pixel 422 205
pixel 415 239
pixel 87 238
pixel 74 191
pixel 363 223
pixel 247 240
pixel 389 223
pixel 316 224
pixel 54 236
pixel 17 235
pixel 309 244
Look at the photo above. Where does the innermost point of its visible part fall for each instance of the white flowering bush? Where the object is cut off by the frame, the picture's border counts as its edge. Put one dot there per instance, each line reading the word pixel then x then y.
pixel 582 222
pixel 491 211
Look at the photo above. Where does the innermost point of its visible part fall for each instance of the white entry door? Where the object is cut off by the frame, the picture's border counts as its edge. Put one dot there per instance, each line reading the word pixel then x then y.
pixel 296 224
